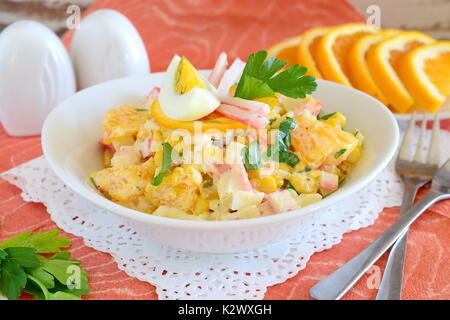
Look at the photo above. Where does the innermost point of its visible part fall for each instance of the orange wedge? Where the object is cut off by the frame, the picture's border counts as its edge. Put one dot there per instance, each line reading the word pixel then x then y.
pixel 332 49
pixel 308 45
pixel 359 73
pixel 212 121
pixel 383 61
pixel 425 71
pixel 285 50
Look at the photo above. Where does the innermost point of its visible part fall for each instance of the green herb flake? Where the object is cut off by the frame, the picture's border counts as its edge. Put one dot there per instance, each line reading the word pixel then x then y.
pixel 340 153
pixel 289 185
pixel 252 158
pixel 140 110
pixel 166 164
pixel 207 182
pixel 326 116
pixel 93 182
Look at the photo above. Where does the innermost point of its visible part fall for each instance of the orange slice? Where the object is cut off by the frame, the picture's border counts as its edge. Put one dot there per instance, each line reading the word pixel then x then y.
pixel 425 71
pixel 332 49
pixel 383 61
pixel 359 73
pixel 212 121
pixel 308 44
pixel 285 50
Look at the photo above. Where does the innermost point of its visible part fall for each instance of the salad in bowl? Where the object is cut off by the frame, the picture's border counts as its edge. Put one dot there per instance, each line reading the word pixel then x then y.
pixel 248 141
pixel 186 157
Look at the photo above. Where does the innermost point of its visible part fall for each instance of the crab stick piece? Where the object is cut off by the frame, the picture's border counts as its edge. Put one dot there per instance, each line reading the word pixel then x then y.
pixel 219 70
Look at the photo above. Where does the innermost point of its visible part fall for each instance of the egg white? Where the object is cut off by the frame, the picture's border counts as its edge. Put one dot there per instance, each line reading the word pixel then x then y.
pixel 192 105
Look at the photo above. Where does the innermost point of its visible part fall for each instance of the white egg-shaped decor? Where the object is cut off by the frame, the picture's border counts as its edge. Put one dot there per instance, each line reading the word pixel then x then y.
pixel 36 74
pixel 107 46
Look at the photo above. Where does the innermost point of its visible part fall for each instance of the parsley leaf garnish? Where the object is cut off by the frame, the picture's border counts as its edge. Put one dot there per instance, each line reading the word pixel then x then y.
pixel 166 164
pixel 43 242
pixel 261 78
pixel 54 278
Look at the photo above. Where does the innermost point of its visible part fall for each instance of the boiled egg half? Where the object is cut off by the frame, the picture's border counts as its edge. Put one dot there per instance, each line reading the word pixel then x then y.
pixel 185 95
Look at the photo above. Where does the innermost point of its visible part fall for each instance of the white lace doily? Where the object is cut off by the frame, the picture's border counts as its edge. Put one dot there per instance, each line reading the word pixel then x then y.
pixel 187 275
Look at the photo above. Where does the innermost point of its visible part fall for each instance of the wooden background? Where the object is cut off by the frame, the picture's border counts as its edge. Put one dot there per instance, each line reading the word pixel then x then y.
pixel 430 16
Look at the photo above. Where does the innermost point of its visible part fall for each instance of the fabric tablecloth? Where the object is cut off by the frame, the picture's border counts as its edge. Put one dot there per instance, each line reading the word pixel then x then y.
pixel 201 30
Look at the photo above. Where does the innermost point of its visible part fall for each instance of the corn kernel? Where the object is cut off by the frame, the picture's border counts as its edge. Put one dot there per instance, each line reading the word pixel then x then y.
pixel 334 123
pixel 270 101
pixel 279 181
pixel 266 184
pixel 340 117
pixel 355 155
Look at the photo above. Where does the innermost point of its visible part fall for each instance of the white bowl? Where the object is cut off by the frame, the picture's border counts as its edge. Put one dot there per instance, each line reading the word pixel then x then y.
pixel 70 142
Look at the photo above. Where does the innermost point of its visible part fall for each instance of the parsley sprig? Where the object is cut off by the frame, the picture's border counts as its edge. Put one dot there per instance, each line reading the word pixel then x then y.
pixel 23 267
pixel 262 78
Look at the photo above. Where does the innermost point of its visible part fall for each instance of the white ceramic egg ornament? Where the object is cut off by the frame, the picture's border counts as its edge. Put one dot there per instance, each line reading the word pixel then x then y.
pixel 107 46
pixel 36 74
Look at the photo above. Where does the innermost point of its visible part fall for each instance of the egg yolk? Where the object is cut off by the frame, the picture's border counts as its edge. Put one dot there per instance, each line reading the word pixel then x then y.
pixel 187 77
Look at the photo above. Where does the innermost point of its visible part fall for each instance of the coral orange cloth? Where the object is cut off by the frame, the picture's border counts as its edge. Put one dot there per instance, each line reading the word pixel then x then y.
pixel 201 30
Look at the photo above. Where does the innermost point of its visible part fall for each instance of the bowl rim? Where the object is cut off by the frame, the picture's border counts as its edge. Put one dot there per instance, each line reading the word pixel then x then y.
pixel 142 217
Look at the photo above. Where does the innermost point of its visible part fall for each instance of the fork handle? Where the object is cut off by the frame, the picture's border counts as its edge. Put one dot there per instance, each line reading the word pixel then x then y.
pixel 392 282
pixel 336 284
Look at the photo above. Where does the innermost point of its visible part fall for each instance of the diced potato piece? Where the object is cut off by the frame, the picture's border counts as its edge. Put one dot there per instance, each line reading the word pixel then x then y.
pixel 201 205
pixel 307 199
pixel 240 199
pixel 305 182
pixel 122 184
pixel 174 213
pixel 248 212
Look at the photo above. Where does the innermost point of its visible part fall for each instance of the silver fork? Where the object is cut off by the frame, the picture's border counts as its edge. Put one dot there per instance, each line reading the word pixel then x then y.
pixel 414 173
pixel 336 284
